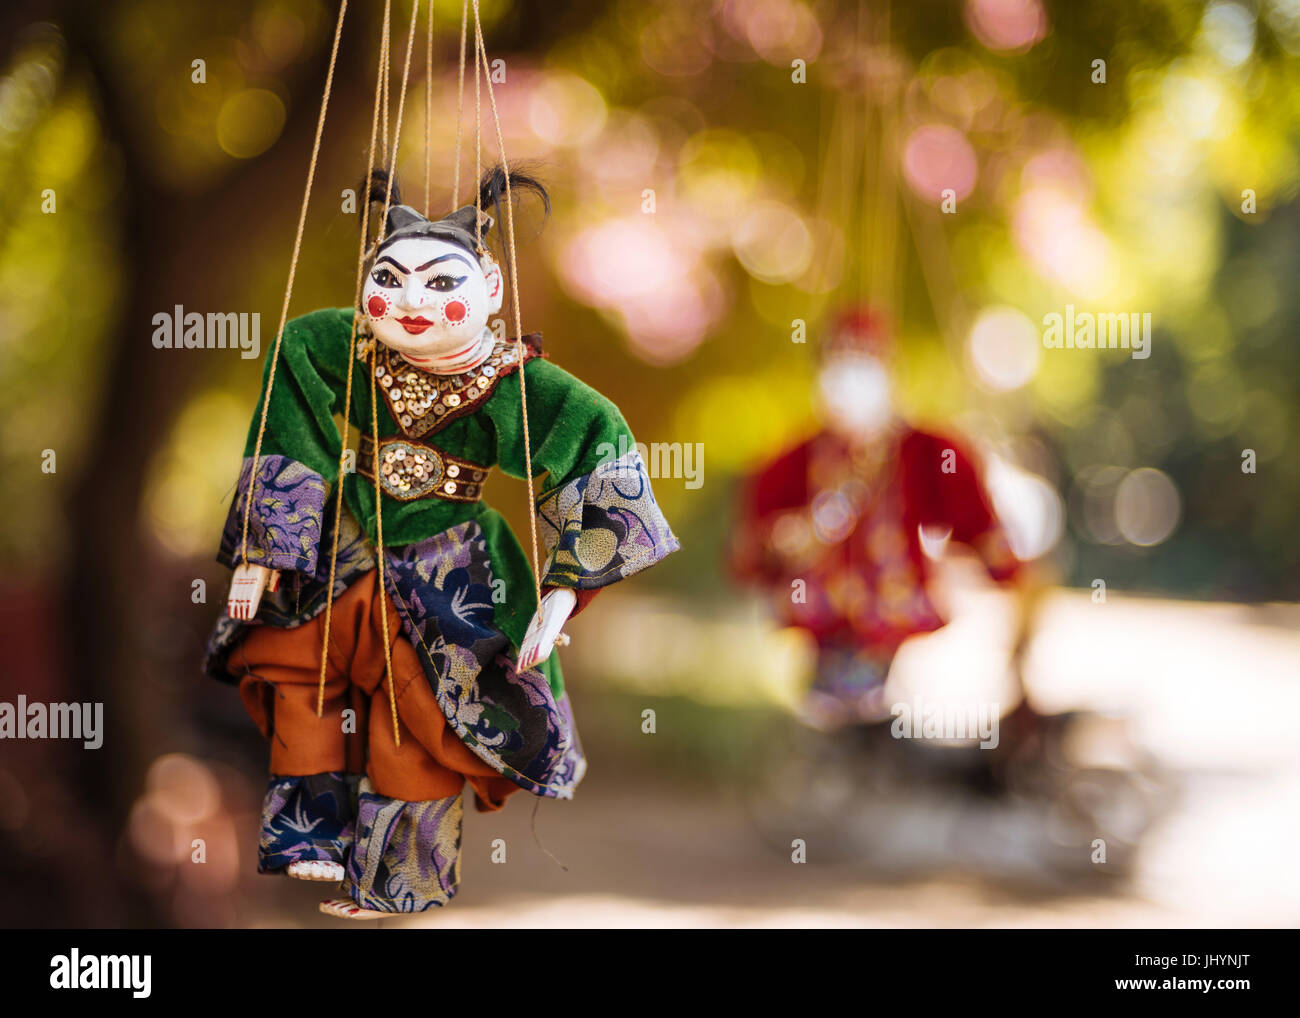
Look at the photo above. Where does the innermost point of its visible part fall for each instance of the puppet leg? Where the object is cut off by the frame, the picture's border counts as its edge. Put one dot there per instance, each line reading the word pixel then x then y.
pixel 848 687
pixel 407 852
pixel 309 810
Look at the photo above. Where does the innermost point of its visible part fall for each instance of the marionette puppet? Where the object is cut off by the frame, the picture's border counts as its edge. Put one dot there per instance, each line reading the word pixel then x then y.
pixel 831 527
pixel 437 667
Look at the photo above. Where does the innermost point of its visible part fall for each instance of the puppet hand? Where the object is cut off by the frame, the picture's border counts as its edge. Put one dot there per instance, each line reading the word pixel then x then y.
pixel 552 613
pixel 247 587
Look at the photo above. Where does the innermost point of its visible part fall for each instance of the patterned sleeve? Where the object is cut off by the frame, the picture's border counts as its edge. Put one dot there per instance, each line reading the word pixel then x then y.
pixel 769 495
pixel 596 512
pixel 298 461
pixel 946 484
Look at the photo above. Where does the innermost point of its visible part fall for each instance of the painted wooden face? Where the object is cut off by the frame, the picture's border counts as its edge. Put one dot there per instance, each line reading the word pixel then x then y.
pixel 429 299
pixel 855 393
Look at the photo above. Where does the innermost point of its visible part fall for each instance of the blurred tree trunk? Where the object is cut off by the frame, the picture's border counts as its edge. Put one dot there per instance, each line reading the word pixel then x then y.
pixel 176 248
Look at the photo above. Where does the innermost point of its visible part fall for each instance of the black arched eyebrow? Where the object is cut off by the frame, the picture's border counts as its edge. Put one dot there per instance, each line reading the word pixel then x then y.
pixel 443 258
pixel 395 264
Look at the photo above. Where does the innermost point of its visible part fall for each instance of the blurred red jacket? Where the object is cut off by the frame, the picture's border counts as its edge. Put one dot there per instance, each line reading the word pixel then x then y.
pixel 833 533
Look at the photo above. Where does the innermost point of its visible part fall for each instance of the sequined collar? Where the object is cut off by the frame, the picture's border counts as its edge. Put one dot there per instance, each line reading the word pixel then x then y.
pixel 423 402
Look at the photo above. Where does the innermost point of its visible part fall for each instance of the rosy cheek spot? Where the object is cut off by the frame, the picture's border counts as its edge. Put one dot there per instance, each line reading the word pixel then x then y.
pixel 377 306
pixel 454 311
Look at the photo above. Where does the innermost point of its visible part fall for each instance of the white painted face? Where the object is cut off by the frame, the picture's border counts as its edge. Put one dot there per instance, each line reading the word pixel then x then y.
pixel 855 393
pixel 430 299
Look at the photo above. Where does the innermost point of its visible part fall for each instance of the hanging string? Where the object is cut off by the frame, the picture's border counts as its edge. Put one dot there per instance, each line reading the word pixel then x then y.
pixel 293 268
pixel 514 294
pixel 374 401
pixel 828 210
pixel 478 143
pixel 387 58
pixel 460 102
pixel 380 73
pixel 538 841
pixel 850 156
pixel 428 106
pixel 863 187
pixel 888 113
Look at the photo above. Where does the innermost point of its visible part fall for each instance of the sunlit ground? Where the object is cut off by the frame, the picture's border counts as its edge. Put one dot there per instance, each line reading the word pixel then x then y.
pixel 1209 690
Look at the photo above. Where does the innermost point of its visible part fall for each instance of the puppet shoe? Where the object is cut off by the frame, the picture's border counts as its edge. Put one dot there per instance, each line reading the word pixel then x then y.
pixel 316 869
pixel 307 823
pixel 346 908
pixel 823 713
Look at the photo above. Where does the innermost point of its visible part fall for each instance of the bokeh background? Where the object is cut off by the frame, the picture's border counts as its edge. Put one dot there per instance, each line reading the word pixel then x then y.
pixel 705 200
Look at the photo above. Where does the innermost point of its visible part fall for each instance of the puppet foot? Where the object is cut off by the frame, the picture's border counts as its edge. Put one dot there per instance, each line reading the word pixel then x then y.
pixel 316 869
pixel 831 713
pixel 345 908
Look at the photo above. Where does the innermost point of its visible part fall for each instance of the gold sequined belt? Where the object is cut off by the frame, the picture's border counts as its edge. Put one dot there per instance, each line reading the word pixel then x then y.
pixel 409 470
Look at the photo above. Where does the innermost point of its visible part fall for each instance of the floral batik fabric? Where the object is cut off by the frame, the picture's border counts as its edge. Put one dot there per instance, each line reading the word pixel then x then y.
pixel 603 526
pixel 284 520
pixel 407 854
pixel 513 720
pixel 397 856
pixel 307 818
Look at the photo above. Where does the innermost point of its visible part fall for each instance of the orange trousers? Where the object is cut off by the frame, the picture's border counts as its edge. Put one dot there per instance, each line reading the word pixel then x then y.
pixel 279 673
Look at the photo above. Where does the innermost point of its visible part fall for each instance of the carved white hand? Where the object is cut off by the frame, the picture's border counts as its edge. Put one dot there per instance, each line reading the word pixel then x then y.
pixel 543 631
pixel 247 587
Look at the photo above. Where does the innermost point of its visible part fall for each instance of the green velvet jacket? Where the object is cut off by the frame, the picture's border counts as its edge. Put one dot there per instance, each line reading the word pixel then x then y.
pixel 459 577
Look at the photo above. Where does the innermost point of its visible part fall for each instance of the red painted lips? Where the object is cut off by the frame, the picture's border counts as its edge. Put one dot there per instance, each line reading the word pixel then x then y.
pixel 414 326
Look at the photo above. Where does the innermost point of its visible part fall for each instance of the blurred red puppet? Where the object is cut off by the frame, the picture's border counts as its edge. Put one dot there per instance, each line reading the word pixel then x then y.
pixel 831 528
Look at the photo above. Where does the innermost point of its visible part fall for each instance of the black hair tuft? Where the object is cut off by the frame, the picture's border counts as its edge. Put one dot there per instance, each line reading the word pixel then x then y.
pixel 375 188
pixel 492 189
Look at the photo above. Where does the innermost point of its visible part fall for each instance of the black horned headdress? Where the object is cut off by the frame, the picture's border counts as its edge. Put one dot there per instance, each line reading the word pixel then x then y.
pixel 458 227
